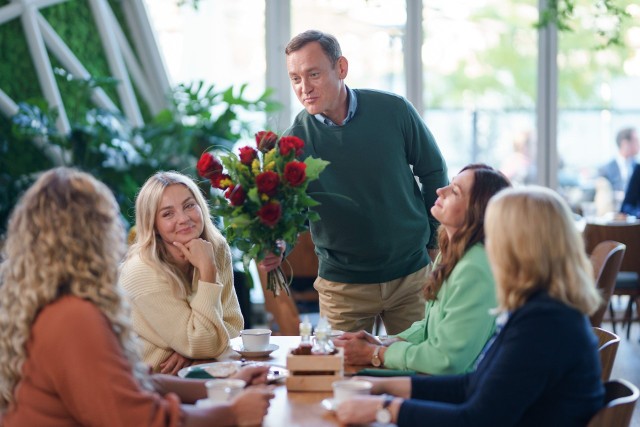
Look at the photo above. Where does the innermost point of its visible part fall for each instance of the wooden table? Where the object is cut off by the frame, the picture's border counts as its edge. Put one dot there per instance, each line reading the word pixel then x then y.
pixel 290 408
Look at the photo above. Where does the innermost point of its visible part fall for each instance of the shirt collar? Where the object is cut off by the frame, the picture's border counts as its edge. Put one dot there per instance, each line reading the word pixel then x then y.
pixel 351 111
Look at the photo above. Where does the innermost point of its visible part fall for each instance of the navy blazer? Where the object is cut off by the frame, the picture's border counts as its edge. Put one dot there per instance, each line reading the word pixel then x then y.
pixel 631 203
pixel 543 369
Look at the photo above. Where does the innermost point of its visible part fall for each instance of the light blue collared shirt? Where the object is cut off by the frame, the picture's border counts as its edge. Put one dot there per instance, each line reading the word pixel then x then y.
pixel 351 111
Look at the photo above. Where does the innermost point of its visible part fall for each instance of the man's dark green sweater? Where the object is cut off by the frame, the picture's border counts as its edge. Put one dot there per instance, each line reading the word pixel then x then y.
pixel 375 222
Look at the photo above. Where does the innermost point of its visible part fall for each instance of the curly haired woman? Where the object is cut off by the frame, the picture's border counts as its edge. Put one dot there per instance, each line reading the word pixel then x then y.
pixel 67 350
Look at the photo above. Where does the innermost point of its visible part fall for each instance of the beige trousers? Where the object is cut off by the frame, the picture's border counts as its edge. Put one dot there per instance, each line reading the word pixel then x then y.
pixel 352 307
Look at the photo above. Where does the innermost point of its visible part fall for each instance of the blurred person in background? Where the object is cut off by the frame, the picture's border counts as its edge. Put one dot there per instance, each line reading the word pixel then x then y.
pixel 619 170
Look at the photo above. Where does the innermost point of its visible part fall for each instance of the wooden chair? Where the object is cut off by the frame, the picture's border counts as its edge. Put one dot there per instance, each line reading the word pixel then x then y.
pixel 606 259
pixel 608 343
pixel 627 281
pixel 620 399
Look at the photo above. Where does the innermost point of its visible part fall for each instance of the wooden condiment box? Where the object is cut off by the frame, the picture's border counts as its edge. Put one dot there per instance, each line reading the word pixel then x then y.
pixel 314 372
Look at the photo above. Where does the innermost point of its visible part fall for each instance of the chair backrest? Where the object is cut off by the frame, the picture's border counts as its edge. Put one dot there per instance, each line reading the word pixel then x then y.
pixel 608 343
pixel 620 399
pixel 606 259
pixel 626 233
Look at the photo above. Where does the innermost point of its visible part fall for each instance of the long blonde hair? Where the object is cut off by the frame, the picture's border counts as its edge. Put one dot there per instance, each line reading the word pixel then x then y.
pixel 533 245
pixel 148 244
pixel 65 237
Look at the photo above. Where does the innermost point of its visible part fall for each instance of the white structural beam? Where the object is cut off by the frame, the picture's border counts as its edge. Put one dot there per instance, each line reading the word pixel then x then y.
pixel 71 63
pixel 106 24
pixel 148 52
pixel 413 54
pixel 278 33
pixel 7 106
pixel 138 76
pixel 43 66
pixel 547 104
pixel 9 12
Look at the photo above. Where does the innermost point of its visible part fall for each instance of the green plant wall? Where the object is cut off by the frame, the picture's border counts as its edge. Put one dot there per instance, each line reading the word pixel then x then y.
pixel 17 74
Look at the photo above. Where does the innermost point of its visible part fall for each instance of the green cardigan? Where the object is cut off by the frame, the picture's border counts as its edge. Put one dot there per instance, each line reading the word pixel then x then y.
pixel 456 325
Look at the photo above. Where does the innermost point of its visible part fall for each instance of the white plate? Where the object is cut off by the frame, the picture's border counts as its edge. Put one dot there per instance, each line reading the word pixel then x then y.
pixel 252 353
pixel 329 404
pixel 214 369
pixel 275 373
pixel 204 403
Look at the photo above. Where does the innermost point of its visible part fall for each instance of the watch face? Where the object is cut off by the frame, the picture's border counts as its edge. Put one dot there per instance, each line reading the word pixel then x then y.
pixel 383 416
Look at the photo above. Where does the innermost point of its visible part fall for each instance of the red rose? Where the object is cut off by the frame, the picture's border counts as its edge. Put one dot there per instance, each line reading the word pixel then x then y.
pixel 219 180
pixel 266 140
pixel 267 182
pixel 247 154
pixel 288 143
pixel 235 194
pixel 208 166
pixel 295 173
pixel 270 213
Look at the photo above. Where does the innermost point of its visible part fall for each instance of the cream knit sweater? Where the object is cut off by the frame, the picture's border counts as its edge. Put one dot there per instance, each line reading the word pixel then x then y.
pixel 198 327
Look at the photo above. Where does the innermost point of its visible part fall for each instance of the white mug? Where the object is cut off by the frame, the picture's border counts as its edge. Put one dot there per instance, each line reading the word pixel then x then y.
pixel 345 389
pixel 222 390
pixel 255 339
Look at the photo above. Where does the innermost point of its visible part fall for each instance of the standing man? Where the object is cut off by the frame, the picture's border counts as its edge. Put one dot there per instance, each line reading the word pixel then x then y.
pixel 375 224
pixel 618 171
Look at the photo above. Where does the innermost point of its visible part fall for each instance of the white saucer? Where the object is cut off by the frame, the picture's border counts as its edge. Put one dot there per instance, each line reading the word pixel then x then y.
pixel 329 404
pixel 204 403
pixel 253 353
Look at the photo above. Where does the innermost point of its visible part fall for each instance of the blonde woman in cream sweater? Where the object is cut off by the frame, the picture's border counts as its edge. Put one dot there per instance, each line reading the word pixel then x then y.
pixel 179 277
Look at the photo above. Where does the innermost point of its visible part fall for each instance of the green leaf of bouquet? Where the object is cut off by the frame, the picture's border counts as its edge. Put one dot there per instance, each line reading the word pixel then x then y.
pixel 314 167
pixel 313 216
pixel 307 201
pixel 239 221
pixel 253 195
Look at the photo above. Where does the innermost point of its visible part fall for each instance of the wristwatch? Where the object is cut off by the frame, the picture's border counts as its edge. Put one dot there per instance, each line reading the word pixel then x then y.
pixel 375 360
pixel 383 415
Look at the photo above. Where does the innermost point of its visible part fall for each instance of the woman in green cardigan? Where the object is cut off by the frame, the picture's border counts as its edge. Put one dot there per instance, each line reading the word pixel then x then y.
pixel 459 293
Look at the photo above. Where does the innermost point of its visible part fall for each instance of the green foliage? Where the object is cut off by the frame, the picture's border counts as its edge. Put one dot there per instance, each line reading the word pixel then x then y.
pixel 610 19
pixel 17 74
pixel 104 144
pixel 200 118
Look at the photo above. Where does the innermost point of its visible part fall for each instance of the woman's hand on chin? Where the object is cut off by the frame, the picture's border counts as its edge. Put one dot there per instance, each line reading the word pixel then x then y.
pixel 199 253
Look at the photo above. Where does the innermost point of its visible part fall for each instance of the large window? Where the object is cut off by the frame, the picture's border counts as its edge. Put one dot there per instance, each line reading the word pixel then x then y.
pixel 479 67
pixel 370 33
pixel 597 96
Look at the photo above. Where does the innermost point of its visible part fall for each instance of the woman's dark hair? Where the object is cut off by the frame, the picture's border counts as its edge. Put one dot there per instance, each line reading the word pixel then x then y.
pixel 487 182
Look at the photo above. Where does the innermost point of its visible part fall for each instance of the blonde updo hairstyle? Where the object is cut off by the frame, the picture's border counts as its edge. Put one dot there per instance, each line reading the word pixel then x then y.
pixel 533 244
pixel 65 237
pixel 149 245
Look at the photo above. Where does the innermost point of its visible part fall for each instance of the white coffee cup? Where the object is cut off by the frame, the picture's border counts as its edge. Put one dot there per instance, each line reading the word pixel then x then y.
pixel 222 390
pixel 255 339
pixel 345 389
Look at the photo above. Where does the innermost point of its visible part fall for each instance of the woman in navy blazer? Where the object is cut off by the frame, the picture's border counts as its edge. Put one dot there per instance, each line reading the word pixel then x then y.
pixel 542 367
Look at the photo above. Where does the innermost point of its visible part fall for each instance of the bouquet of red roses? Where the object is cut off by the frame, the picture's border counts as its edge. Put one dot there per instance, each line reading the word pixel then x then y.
pixel 262 196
